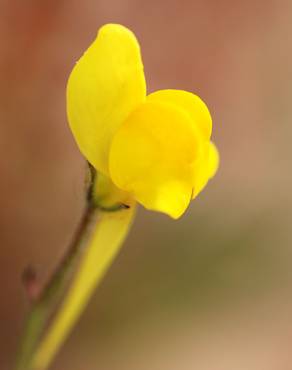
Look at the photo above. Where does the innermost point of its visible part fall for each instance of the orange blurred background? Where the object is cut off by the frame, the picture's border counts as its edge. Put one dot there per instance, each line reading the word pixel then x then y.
pixel 211 291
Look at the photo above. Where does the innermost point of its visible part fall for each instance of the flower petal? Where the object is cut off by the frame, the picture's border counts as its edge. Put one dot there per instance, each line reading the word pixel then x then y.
pixel 106 84
pixel 152 156
pixel 206 168
pixel 213 162
pixel 191 103
pixel 169 196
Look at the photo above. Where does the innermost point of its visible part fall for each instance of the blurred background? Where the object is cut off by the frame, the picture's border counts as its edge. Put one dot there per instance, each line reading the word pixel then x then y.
pixel 211 291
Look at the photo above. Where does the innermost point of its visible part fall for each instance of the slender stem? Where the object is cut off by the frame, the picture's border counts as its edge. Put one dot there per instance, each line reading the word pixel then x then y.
pixel 103 244
pixel 52 292
pixel 55 311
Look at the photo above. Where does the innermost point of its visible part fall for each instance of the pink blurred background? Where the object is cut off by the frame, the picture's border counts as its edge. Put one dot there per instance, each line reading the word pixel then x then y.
pixel 211 291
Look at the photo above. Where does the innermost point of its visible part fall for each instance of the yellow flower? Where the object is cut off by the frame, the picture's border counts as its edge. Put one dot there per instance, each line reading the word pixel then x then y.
pixel 154 149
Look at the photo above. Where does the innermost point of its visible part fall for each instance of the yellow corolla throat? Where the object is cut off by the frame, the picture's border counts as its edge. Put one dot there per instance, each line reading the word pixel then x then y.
pixel 153 149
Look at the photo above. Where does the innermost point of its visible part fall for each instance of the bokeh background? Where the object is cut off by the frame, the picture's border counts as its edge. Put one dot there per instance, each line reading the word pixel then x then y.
pixel 211 291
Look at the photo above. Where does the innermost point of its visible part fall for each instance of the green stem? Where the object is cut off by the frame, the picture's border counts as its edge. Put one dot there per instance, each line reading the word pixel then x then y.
pixel 103 244
pixel 94 246
pixel 51 293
